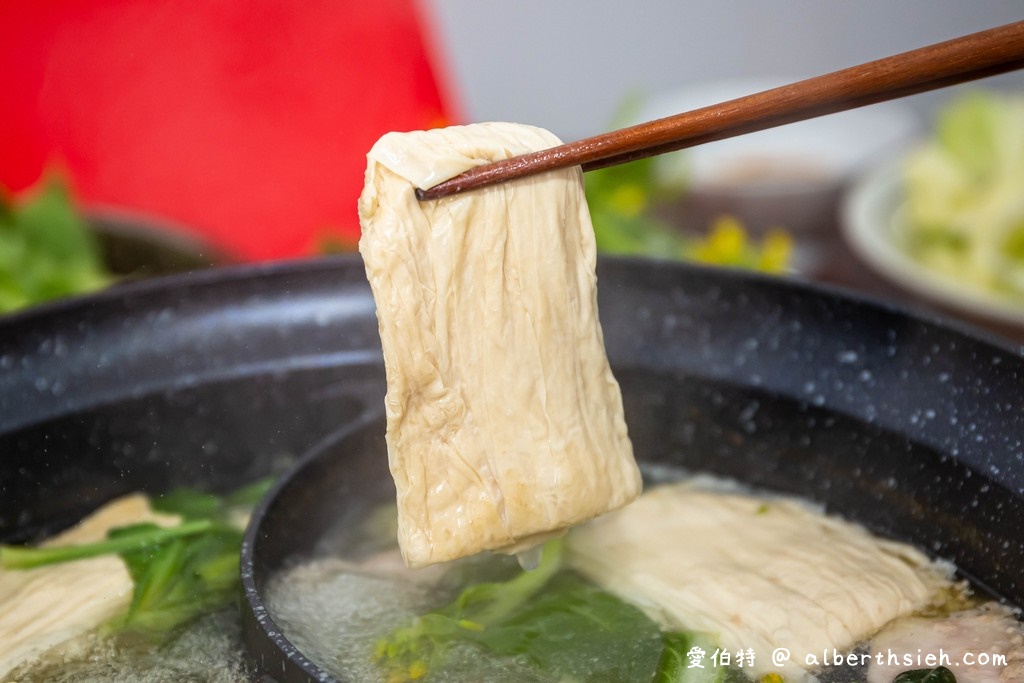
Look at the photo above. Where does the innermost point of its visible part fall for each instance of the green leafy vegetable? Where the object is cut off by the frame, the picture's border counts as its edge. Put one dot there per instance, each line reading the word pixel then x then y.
pixel 180 572
pixel 964 211
pixel 675 665
pixel 623 200
pixel 134 538
pixel 573 628
pixel 673 662
pixel 550 618
pixel 937 675
pixel 620 198
pixel 46 251
pixel 188 577
pixel 193 504
pixel 178 581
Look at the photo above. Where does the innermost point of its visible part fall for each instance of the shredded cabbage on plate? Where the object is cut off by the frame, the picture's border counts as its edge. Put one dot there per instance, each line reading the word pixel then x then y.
pixel 964 209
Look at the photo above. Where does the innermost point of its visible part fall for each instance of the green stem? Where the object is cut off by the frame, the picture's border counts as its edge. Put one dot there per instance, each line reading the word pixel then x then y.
pixel 518 591
pixel 18 557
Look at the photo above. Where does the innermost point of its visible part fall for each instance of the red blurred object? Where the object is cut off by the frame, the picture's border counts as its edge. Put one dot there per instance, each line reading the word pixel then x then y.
pixel 249 121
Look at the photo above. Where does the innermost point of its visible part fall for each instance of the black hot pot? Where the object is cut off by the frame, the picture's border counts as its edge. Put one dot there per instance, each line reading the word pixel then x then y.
pixel 911 426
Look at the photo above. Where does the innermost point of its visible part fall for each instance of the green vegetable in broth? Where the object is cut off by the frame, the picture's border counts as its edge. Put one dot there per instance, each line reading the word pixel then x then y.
pixel 127 540
pixel 181 580
pixel 188 577
pixel 550 618
pixel 557 623
pixel 675 665
pixel 572 628
pixel 937 675
pixel 180 572
pixel 192 504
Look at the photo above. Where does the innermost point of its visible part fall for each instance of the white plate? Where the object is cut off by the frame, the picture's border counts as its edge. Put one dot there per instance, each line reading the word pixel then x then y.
pixel 870 212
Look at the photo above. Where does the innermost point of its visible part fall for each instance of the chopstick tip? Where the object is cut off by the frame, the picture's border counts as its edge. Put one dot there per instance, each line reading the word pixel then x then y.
pixel 442 189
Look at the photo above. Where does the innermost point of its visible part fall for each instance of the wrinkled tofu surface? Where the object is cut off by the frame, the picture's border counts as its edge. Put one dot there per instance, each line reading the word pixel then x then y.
pixel 45 607
pixel 504 422
pixel 753 572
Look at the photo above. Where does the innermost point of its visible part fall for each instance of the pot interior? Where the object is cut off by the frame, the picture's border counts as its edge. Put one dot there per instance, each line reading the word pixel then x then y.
pixel 912 426
pixel 893 485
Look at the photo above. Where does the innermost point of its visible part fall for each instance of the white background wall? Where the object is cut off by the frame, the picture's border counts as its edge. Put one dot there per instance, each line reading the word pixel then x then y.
pixel 566 65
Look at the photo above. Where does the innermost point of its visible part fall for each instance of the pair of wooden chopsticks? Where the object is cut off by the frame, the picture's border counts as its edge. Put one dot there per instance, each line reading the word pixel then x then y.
pixel 967 58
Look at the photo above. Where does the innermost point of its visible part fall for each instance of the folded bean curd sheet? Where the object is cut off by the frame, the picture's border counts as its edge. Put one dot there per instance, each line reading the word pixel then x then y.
pixel 53 605
pixel 504 422
pixel 756 572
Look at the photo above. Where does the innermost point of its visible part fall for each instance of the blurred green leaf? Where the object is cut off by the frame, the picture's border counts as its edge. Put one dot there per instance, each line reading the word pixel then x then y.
pixel 46 249
pixel 623 200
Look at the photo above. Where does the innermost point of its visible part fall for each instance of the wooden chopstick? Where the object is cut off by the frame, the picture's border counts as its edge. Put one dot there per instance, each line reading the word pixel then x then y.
pixel 987 53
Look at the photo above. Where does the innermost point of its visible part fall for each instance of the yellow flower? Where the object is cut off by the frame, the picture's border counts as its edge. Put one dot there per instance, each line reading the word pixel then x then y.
pixel 724 244
pixel 629 199
pixel 417 670
pixel 727 244
pixel 776 250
